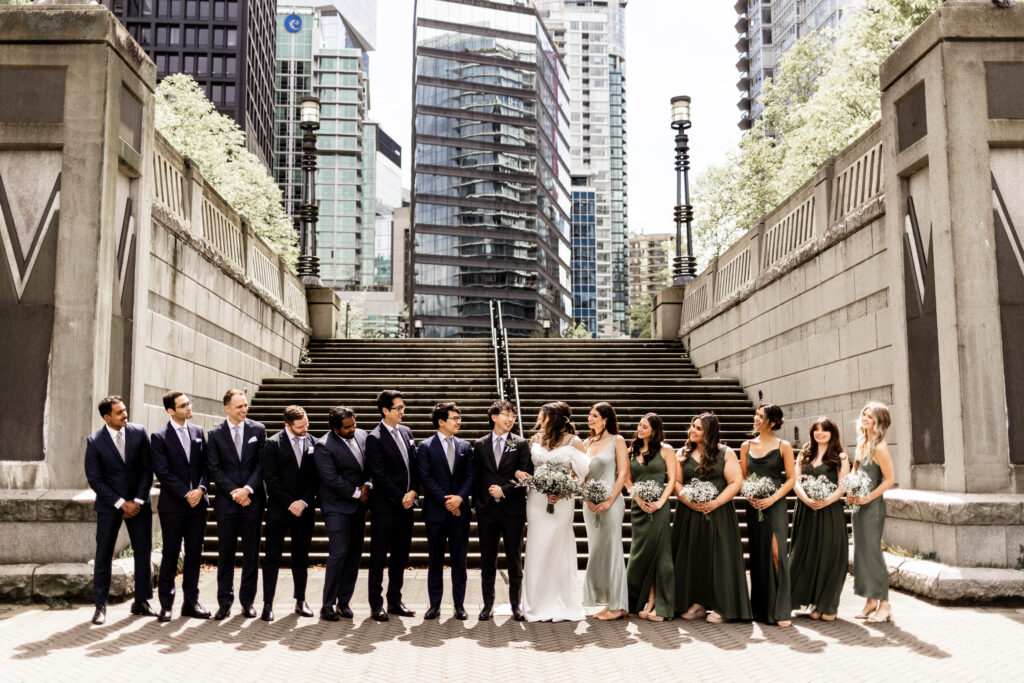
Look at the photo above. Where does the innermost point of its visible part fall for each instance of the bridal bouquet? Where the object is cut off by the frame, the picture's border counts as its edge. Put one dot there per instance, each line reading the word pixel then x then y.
pixel 595 491
pixel 648 491
pixel 817 487
pixel 856 484
pixel 553 479
pixel 700 491
pixel 756 486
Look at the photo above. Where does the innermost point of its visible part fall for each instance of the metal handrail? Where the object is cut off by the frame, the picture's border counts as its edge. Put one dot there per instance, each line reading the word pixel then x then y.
pixel 496 342
pixel 506 384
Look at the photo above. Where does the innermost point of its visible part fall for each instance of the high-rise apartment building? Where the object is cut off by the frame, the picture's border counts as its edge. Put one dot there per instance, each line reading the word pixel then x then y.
pixel 649 258
pixel 226 45
pixel 767 28
pixel 590 34
pixel 584 254
pixel 491 200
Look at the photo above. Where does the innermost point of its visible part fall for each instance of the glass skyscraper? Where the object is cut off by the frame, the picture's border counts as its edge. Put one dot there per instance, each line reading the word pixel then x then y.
pixel 584 255
pixel 590 34
pixel 491 200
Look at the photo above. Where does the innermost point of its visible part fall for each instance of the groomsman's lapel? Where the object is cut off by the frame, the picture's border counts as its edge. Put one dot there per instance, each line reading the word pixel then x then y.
pixel 108 443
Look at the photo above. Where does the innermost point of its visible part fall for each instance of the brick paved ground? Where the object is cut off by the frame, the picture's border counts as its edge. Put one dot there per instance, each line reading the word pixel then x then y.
pixel 926 642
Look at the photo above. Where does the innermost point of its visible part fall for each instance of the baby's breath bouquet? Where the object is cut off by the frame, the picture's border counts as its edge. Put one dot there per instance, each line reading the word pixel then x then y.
pixel 856 484
pixel 648 491
pixel 756 486
pixel 817 487
pixel 553 479
pixel 595 491
pixel 700 491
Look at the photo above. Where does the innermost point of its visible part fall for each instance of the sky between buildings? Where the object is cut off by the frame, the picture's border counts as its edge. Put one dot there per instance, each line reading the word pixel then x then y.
pixel 673 47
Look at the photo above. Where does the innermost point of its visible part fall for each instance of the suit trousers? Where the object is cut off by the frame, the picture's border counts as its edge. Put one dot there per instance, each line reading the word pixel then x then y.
pixel 247 520
pixel 140 533
pixel 390 538
pixel 175 527
pixel 301 531
pixel 453 534
pixel 492 525
pixel 345 534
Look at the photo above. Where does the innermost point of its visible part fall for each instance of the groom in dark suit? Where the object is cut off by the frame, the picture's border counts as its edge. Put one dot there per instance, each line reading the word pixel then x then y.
pixel 234 452
pixel 391 457
pixel 500 505
pixel 119 470
pixel 446 472
pixel 179 460
pixel 344 489
pixel 289 473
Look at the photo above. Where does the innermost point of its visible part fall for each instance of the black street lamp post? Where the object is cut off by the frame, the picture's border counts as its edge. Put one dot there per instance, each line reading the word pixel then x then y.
pixel 684 268
pixel 309 263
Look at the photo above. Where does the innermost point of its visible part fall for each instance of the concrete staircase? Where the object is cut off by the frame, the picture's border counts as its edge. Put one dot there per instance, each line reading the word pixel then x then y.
pixel 635 376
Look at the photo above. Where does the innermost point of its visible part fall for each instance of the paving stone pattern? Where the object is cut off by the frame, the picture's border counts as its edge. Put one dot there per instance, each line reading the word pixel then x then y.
pixel 925 642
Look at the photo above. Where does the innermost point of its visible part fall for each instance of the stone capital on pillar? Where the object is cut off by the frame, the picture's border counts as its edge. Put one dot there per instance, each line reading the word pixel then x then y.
pixel 324 307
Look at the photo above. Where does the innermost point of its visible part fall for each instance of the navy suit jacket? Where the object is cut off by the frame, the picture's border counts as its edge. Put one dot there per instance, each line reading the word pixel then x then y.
pixel 387 468
pixel 438 481
pixel 340 472
pixel 285 482
pixel 229 472
pixel 110 476
pixel 177 474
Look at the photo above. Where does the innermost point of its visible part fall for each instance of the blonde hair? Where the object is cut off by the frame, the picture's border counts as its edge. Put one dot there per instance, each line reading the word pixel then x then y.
pixel 879 412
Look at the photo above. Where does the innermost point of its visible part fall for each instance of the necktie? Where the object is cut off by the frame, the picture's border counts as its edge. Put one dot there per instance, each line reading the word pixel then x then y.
pixel 238 440
pixel 397 435
pixel 297 446
pixel 354 447
pixel 499 446
pixel 119 442
pixel 183 437
pixel 449 452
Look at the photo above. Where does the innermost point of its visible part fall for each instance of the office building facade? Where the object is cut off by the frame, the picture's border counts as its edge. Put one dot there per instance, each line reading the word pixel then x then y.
pixel 490 204
pixel 649 258
pixel 584 255
pixel 227 46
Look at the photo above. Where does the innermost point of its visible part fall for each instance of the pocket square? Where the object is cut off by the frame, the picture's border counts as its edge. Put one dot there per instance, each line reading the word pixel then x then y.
pixel 197 440
pixel 309 450
pixel 252 439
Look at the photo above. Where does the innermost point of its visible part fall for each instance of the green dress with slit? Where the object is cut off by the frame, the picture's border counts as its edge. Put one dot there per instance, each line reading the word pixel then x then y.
pixel 708 553
pixel 650 549
pixel 820 551
pixel 870 575
pixel 769 586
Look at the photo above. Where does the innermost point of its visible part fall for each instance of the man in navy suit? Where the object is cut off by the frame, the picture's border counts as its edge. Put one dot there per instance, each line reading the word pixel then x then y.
pixel 391 457
pixel 344 489
pixel 119 470
pixel 446 472
pixel 179 460
pixel 289 474
pixel 234 452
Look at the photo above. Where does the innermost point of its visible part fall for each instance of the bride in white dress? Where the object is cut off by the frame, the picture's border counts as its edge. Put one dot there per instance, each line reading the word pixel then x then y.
pixel 550 590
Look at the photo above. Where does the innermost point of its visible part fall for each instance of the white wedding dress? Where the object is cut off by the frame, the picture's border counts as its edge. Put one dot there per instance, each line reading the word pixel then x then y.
pixel 550 590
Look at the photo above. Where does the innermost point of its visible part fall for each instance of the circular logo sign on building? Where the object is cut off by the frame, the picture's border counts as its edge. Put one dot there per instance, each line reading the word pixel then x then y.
pixel 293 23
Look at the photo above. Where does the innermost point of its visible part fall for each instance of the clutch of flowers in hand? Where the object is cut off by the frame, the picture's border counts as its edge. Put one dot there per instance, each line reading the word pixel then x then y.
pixel 553 479
pixel 648 491
pixel 856 484
pixel 595 491
pixel 700 491
pixel 757 486
pixel 817 487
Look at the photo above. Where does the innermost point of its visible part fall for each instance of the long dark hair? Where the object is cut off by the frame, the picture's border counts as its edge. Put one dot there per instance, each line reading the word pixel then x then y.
pixel 773 414
pixel 611 424
pixel 832 452
pixel 636 446
pixel 559 424
pixel 712 442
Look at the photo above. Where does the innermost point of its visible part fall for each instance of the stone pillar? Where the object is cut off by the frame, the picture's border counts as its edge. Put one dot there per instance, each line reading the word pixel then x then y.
pixel 666 313
pixel 953 132
pixel 324 308
pixel 76 123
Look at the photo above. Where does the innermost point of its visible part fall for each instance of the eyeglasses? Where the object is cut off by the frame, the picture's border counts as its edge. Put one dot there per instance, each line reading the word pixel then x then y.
pixel 398 408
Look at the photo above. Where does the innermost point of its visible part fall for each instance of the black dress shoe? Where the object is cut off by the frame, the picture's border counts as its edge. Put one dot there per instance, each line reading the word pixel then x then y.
pixel 460 613
pixel 379 614
pixel 195 610
pixel 165 614
pixel 486 613
pixel 141 608
pixel 99 617
pixel 302 609
pixel 432 612
pixel 248 611
pixel 344 611
pixel 223 612
pixel 400 610
pixel 517 614
pixel 268 612
pixel 328 614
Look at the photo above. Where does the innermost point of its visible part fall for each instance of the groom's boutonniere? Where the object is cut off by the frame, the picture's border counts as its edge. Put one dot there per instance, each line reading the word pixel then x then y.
pixel 509 448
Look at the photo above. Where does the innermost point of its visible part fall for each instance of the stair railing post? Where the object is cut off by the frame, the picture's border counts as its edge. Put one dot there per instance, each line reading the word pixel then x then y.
pixel 497 352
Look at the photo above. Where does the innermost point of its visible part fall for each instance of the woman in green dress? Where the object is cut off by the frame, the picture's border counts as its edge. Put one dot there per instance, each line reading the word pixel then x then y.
pixel 605 581
pixel 870 575
pixel 768 518
pixel 820 549
pixel 649 572
pixel 706 536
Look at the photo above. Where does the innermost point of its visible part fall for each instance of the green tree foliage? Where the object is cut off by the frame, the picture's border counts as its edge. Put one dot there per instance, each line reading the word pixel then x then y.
pixel 640 317
pixel 197 130
pixel 825 92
